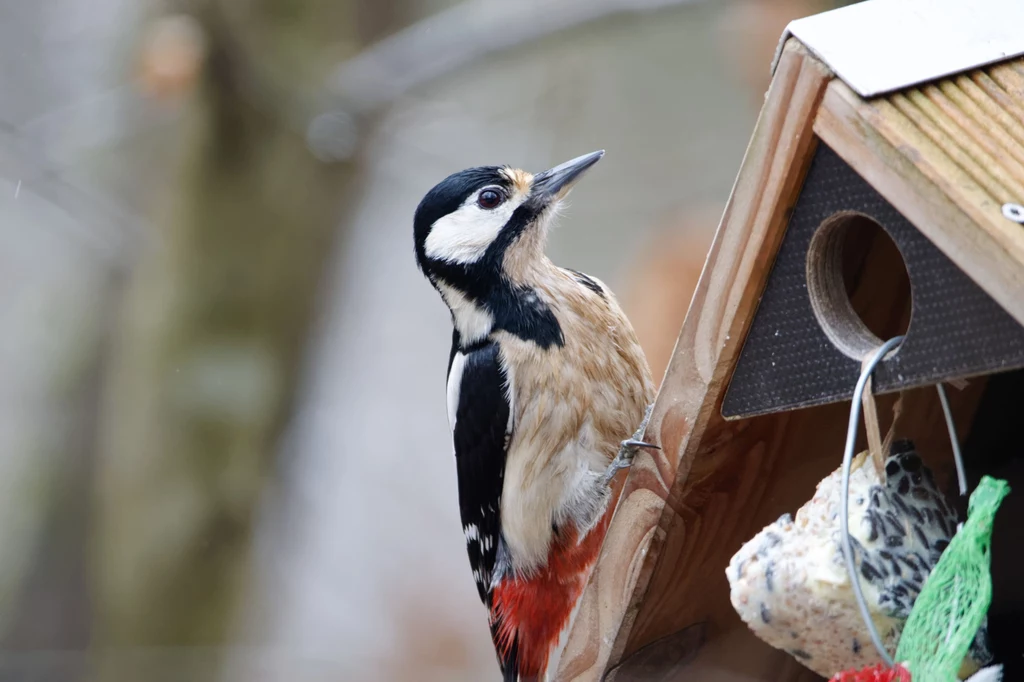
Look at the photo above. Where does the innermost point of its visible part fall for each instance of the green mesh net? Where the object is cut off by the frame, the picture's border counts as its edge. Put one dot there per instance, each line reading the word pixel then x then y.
pixel 955 598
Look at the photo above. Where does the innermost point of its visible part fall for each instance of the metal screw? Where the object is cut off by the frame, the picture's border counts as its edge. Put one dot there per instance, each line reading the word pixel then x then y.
pixel 1014 212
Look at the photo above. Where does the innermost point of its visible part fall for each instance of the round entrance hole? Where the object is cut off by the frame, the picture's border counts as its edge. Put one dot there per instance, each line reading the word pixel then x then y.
pixel 858 283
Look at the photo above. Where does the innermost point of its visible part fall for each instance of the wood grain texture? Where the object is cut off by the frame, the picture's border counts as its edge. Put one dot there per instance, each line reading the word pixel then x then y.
pixel 946 155
pixel 616 612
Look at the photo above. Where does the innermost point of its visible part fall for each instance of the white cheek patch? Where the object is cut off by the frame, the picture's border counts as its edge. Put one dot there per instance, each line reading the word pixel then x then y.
pixel 463 236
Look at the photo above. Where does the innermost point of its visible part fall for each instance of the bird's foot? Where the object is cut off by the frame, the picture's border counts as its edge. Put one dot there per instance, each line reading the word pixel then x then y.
pixel 628 450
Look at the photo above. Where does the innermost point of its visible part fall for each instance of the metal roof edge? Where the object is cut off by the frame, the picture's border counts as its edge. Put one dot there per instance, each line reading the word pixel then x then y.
pixel 911 41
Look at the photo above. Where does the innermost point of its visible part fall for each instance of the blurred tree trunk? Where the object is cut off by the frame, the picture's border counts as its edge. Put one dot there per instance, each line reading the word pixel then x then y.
pixel 212 333
pixel 51 609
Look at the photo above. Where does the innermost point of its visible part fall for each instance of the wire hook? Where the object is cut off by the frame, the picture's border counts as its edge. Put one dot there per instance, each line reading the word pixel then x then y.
pixel 851 439
pixel 844 492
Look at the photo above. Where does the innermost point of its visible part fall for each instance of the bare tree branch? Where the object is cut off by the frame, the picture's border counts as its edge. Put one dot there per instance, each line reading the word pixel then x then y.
pixel 453 38
pixel 441 44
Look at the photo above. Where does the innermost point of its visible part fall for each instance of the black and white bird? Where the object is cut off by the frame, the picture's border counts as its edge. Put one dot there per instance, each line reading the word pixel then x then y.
pixel 545 381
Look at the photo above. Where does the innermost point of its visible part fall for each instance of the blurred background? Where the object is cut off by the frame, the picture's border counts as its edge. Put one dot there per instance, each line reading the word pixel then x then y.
pixel 224 453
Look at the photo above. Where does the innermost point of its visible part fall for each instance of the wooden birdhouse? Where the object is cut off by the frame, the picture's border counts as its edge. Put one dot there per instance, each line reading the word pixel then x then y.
pixel 881 195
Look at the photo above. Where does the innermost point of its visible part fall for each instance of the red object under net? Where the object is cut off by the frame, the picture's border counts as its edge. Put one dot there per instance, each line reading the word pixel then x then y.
pixel 876 673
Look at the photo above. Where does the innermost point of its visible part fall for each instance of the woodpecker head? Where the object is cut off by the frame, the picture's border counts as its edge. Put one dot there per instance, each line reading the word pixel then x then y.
pixel 486 225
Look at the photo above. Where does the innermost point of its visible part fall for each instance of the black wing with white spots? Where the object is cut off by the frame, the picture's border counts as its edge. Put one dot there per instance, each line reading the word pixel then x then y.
pixel 481 433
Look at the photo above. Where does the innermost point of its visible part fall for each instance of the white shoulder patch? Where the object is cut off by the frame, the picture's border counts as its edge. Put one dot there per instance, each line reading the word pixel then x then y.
pixel 455 386
pixel 510 397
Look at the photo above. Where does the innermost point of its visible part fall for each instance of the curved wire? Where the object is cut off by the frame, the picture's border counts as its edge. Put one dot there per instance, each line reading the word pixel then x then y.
pixel 844 517
pixel 851 438
pixel 954 440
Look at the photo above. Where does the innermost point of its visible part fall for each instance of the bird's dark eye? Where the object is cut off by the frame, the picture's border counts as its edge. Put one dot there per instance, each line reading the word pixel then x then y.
pixel 490 198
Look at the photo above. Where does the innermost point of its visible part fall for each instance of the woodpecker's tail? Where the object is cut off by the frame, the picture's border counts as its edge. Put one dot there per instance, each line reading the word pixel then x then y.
pixel 513 668
pixel 508 652
pixel 526 620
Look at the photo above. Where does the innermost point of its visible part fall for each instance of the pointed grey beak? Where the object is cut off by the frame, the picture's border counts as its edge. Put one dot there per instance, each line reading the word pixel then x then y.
pixel 556 182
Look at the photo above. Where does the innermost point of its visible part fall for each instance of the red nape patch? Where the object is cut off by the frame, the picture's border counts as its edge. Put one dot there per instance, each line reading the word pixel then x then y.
pixel 876 673
pixel 537 610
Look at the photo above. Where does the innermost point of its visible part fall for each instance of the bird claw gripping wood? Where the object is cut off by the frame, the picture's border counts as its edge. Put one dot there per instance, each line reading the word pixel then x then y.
pixel 629 448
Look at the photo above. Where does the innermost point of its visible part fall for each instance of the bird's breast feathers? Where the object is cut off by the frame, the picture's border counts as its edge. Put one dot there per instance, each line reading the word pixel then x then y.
pixel 572 406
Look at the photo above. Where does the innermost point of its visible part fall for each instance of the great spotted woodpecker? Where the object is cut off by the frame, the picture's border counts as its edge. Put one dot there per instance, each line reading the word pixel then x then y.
pixel 545 380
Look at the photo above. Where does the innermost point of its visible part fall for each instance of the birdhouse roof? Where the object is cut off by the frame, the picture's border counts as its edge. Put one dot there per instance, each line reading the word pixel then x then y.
pixel 881 46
